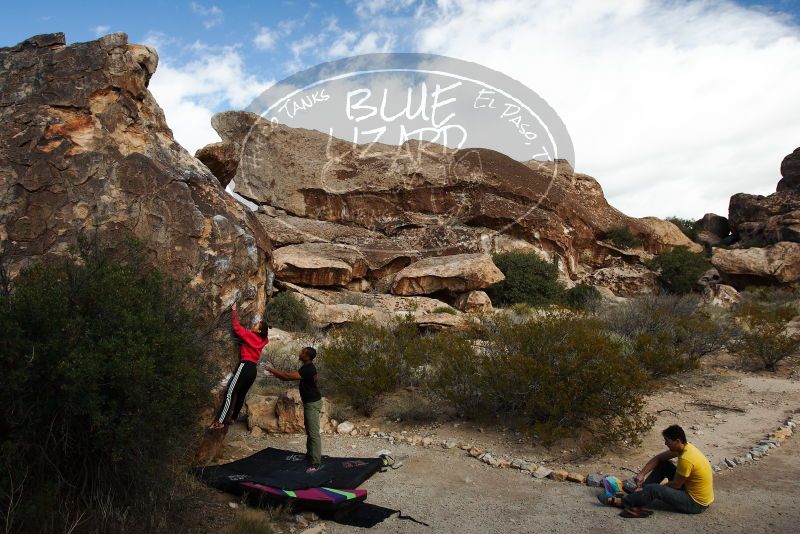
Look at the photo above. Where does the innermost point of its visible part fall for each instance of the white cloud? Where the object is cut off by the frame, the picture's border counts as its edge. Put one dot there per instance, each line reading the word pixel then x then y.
pixel 333 42
pixel 190 93
pixel 265 38
pixel 100 30
pixel 212 16
pixel 673 106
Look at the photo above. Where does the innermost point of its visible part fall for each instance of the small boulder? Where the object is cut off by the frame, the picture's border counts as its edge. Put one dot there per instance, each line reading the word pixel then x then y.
pixel 594 480
pixel 542 472
pixel 558 475
pixel 345 427
pixel 473 301
pixel 261 413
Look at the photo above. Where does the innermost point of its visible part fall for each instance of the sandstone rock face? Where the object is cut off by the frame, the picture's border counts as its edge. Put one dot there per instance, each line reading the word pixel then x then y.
pixel 319 264
pixel 778 263
pixel 716 224
pixel 625 281
pixel 456 273
pixel 473 301
pixel 85 148
pixel 443 201
pixel 790 170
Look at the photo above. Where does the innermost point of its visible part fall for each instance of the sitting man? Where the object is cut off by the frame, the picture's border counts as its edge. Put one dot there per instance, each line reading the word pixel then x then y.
pixel 690 489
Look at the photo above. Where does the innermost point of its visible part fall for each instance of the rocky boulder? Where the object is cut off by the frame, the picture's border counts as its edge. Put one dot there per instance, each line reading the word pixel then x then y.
pixel 715 224
pixel 85 149
pixel 457 273
pixel 774 264
pixel 283 414
pixel 473 301
pixel 319 264
pixel 790 170
pixel 625 280
pixel 221 159
pixel 721 295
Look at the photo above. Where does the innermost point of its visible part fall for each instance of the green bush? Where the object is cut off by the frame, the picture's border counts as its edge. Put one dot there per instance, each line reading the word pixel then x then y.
pixel 444 309
pixel 679 269
pixel 583 297
pixel 286 311
pixel 764 342
pixel 529 279
pixel 363 361
pixel 688 227
pixel 104 376
pixel 556 375
pixel 621 237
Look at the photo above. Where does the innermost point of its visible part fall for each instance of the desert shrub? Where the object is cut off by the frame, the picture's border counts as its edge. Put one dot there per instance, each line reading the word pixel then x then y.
pixel 252 521
pixel 583 297
pixel 286 311
pixel 764 342
pixel 104 375
pixel 364 360
pixel 557 375
pixel 679 269
pixel 529 279
pixel 444 309
pixel 621 237
pixel 687 226
pixel 772 296
pixel 667 333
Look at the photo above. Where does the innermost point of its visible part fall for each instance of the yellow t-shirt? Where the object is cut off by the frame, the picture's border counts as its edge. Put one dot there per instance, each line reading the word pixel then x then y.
pixel 699 476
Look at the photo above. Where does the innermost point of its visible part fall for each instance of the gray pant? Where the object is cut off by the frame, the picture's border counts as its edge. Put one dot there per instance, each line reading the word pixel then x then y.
pixel 677 499
pixel 311 412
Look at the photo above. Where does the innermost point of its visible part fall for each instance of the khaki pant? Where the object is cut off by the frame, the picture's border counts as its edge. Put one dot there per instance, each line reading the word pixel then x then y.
pixel 311 412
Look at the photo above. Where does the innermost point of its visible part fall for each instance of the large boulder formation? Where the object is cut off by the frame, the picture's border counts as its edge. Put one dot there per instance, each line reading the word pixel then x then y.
pixel 440 201
pixel 773 218
pixel 85 149
pixel 790 170
pixel 774 264
pixel 457 273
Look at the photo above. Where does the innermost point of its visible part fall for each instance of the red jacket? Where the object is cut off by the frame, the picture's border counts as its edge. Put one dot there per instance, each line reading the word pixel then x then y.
pixel 252 343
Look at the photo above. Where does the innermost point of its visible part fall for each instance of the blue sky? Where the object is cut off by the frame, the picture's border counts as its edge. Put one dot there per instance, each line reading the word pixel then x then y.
pixel 673 105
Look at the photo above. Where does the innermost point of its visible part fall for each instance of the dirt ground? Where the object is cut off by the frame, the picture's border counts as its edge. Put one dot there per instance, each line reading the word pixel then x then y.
pixel 724 412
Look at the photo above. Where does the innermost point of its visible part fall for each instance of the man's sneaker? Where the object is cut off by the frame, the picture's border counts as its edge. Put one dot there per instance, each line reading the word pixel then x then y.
pixel 313 469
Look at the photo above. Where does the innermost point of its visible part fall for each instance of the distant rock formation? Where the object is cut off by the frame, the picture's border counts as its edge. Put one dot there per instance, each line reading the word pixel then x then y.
pixel 772 218
pixel 85 148
pixel 790 170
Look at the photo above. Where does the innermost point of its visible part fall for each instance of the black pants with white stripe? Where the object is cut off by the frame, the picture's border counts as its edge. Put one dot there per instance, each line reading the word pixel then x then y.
pixel 239 385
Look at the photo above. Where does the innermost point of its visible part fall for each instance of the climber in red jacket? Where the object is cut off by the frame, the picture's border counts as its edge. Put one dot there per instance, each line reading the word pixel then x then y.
pixel 253 341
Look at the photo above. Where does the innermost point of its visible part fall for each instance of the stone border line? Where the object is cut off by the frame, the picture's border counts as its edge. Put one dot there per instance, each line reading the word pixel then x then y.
pixel 772 440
